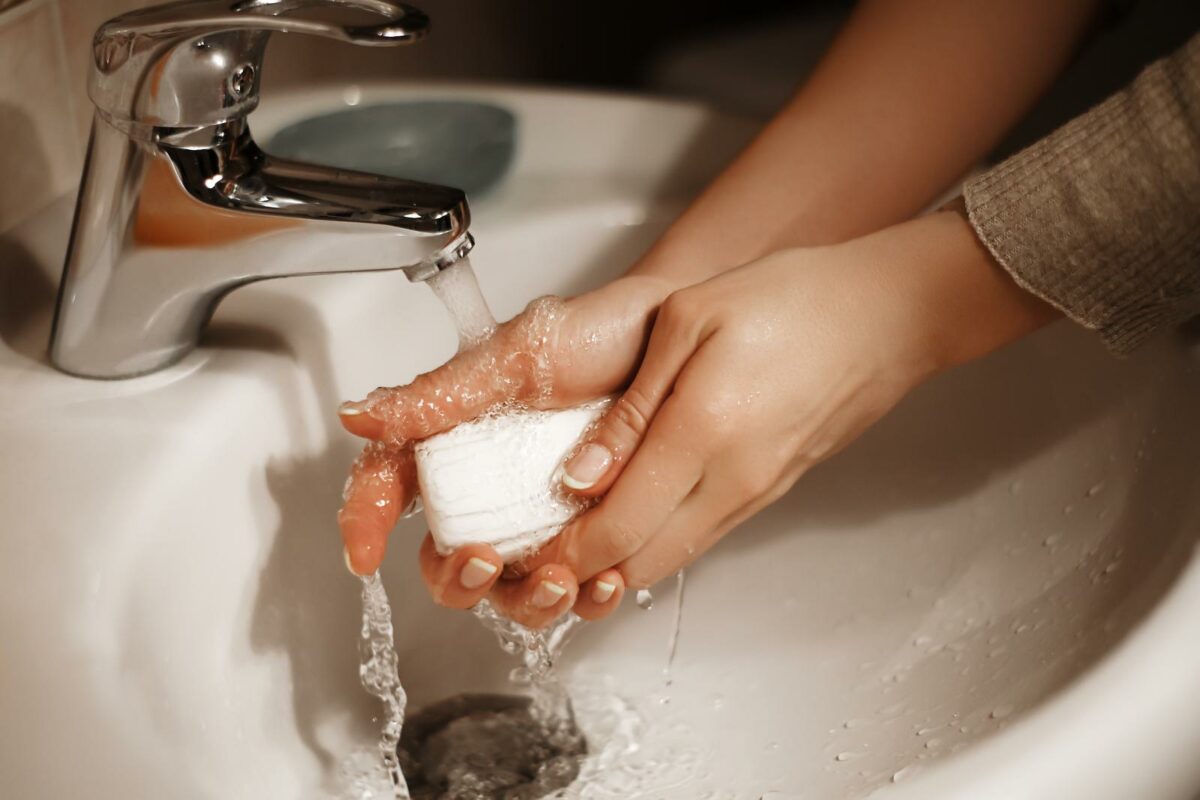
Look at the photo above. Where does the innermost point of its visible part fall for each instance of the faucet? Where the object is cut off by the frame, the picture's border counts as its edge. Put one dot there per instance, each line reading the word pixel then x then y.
pixel 178 206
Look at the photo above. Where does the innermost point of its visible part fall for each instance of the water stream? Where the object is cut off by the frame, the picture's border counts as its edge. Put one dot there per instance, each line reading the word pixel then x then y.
pixel 379 673
pixel 491 746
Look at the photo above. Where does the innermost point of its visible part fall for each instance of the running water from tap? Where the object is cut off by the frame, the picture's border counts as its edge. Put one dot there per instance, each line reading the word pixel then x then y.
pixel 379 672
pixel 458 289
pixel 505 746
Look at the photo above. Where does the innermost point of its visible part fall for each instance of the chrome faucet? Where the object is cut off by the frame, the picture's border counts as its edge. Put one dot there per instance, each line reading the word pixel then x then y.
pixel 178 205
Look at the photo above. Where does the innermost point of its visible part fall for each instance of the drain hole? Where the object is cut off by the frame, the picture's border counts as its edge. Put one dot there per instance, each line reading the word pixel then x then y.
pixel 486 747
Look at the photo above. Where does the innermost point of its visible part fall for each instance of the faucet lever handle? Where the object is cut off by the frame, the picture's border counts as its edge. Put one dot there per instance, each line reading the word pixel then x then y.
pixel 192 64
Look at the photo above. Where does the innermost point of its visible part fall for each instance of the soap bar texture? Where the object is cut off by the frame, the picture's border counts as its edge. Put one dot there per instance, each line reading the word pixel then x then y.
pixel 497 479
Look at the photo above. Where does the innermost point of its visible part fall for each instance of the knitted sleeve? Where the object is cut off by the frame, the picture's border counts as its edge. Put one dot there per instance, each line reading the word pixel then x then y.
pixel 1102 217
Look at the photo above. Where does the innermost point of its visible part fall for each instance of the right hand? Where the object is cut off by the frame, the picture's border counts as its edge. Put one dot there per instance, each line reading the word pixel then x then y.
pixel 554 355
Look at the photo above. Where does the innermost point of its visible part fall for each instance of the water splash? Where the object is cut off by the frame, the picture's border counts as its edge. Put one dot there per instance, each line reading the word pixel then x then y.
pixel 538 650
pixel 379 672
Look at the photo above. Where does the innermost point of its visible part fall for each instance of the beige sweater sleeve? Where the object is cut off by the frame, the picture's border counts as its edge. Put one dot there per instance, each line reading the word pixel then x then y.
pixel 1102 217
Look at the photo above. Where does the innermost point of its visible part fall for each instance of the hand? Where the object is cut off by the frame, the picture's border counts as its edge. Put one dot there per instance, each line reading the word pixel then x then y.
pixel 554 354
pixel 752 377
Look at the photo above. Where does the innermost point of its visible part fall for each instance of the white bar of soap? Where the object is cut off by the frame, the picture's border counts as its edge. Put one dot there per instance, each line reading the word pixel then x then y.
pixel 495 480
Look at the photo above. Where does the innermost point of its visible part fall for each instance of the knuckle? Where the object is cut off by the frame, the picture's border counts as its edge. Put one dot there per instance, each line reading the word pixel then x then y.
pixel 754 477
pixel 680 308
pixel 630 416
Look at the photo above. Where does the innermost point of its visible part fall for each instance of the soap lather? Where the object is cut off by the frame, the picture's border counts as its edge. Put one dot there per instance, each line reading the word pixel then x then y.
pixel 497 480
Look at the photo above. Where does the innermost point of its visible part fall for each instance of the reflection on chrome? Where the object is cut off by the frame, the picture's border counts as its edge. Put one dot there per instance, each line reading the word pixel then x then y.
pixel 178 205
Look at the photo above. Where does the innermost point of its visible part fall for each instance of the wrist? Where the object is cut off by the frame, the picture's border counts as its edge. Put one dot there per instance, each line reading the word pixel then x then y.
pixel 972 305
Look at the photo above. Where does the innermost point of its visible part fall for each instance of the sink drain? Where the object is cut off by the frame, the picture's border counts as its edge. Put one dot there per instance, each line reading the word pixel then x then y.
pixel 486 747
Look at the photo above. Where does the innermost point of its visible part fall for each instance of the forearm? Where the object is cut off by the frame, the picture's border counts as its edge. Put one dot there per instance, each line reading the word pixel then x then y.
pixel 911 95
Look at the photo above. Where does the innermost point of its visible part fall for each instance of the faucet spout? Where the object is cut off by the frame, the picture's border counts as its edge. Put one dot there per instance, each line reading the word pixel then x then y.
pixel 165 227
pixel 178 206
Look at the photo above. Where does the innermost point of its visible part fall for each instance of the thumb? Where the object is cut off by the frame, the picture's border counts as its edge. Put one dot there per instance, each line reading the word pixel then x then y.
pixel 597 464
pixel 515 364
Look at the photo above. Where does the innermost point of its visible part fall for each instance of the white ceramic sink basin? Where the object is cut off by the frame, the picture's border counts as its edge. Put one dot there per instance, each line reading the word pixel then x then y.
pixel 994 594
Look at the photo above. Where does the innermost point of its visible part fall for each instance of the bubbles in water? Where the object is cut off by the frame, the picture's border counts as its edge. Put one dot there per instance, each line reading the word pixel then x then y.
pixel 458 289
pixel 519 368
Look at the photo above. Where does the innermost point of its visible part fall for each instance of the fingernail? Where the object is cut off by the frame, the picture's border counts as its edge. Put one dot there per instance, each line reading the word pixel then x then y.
pixel 602 591
pixel 349 409
pixel 587 466
pixel 346 558
pixel 547 594
pixel 476 572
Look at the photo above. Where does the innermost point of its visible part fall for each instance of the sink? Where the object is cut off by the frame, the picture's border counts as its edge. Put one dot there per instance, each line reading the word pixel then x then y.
pixel 992 594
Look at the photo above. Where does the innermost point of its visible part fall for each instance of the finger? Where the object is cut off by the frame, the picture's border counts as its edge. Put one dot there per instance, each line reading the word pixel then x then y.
pixel 461 579
pixel 716 507
pixel 382 483
pixel 595 466
pixel 514 364
pixel 660 475
pixel 600 596
pixel 689 533
pixel 537 599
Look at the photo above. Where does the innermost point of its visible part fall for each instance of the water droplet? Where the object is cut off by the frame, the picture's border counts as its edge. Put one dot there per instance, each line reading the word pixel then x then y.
pixel 645 600
pixel 933 744
pixel 855 723
pixel 1111 568
pixel 922 641
pixel 1052 540
pixel 1014 487
pixel 903 773
pixel 1068 508
pixel 846 756
pixel 1096 489
pixel 1000 712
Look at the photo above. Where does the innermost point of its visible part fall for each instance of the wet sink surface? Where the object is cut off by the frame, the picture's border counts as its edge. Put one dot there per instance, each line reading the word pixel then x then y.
pixel 992 594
